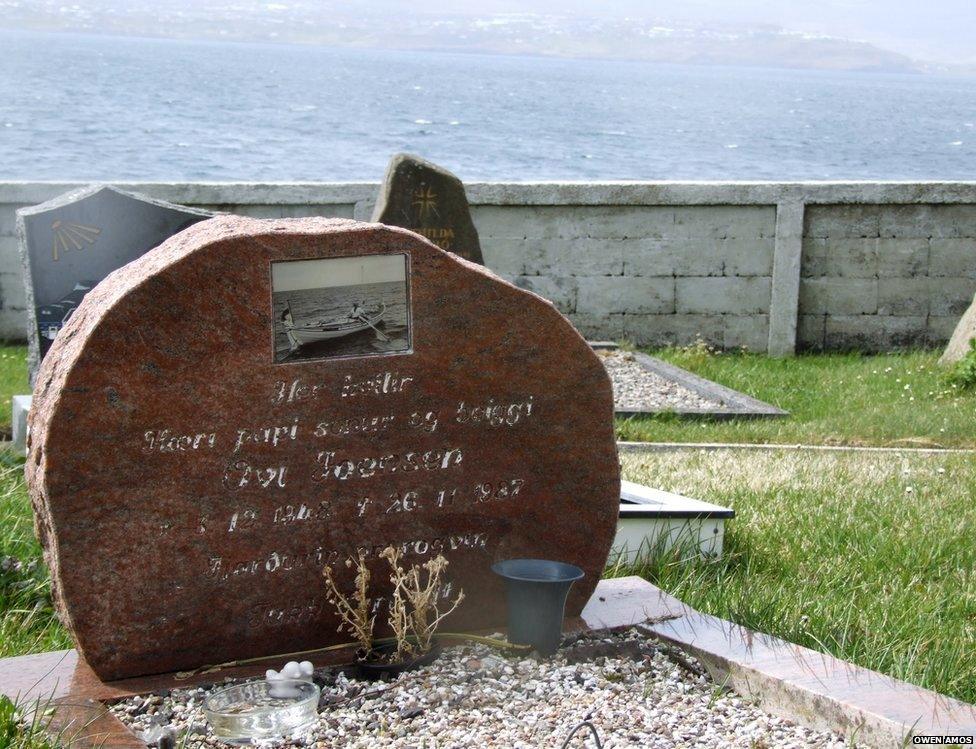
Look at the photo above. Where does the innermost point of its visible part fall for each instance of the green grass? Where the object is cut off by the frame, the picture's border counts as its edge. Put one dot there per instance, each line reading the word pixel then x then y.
pixel 13 378
pixel 834 399
pixel 869 557
pixel 27 621
pixel 27 728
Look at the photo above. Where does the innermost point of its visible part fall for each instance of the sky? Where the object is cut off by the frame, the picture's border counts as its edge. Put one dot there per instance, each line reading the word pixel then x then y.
pixel 344 271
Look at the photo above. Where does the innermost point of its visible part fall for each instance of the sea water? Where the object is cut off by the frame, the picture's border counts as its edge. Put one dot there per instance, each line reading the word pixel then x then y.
pixel 87 107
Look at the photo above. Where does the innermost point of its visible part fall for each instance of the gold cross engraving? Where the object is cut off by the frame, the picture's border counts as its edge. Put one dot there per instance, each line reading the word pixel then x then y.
pixel 425 201
pixel 75 234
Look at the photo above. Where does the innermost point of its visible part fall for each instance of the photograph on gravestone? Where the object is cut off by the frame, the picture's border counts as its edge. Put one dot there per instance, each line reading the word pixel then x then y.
pixel 72 242
pixel 189 494
pixel 350 306
pixel 429 200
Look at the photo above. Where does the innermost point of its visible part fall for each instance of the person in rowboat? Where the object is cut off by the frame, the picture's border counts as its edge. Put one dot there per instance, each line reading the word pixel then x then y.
pixel 359 312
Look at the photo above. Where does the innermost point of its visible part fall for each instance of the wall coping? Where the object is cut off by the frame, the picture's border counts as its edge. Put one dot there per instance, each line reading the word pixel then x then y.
pixel 531 193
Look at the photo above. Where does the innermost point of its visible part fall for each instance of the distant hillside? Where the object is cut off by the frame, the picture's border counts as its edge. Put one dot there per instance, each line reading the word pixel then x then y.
pixel 656 43
pixel 568 36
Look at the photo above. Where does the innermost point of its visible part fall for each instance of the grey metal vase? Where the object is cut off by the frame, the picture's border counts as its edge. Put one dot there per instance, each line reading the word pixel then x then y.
pixel 536 591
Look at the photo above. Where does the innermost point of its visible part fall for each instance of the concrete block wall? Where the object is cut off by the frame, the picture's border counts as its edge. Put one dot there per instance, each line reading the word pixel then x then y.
pixel 765 266
pixel 650 274
pixel 880 277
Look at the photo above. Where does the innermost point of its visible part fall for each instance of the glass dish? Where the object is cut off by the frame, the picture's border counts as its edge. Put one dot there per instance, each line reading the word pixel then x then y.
pixel 260 710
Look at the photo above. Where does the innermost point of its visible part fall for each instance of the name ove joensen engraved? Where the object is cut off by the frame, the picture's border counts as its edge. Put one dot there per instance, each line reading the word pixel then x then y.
pixel 346 483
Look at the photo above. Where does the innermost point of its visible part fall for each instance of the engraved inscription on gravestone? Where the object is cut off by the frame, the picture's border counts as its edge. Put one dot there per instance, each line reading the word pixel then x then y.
pixel 429 200
pixel 72 242
pixel 189 493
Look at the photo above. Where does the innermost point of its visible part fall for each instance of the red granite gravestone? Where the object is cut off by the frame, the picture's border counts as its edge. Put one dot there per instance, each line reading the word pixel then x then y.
pixel 254 400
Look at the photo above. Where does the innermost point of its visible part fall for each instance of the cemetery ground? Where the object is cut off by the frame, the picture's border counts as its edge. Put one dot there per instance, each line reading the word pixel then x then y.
pixel 864 555
pixel 13 381
pixel 887 400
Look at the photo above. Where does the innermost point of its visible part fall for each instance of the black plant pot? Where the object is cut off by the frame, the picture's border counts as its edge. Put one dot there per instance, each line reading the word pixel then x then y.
pixel 380 666
pixel 536 591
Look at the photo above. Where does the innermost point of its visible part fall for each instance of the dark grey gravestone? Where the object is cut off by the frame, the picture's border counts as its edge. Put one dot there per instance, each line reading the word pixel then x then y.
pixel 429 200
pixel 72 242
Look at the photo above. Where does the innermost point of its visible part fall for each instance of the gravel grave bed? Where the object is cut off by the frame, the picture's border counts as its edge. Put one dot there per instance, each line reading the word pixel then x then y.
pixel 637 389
pixel 636 691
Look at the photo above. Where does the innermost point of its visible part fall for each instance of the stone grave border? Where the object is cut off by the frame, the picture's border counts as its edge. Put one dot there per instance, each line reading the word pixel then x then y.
pixel 650 447
pixel 736 405
pixel 653 520
pixel 805 686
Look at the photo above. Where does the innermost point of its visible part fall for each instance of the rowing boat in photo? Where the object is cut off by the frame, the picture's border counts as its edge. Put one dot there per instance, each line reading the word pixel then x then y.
pixel 356 321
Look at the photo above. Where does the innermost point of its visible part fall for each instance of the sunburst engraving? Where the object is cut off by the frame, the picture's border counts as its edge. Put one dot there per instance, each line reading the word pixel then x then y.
pixel 72 236
pixel 425 201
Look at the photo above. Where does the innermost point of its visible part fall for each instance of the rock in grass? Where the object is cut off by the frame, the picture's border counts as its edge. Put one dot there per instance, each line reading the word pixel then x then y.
pixel 959 343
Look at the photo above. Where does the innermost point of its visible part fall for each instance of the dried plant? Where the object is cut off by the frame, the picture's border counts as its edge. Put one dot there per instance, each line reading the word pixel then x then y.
pixel 353 613
pixel 399 619
pixel 414 606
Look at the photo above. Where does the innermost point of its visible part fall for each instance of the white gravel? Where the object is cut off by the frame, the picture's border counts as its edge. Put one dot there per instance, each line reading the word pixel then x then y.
pixel 637 389
pixel 636 691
